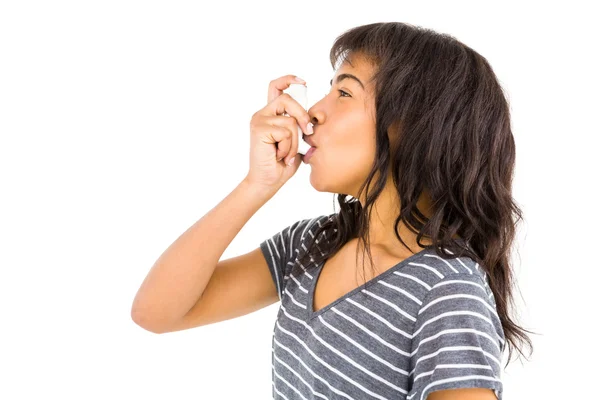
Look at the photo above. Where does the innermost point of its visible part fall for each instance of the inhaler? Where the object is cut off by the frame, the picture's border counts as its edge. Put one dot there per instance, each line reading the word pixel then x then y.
pixel 298 92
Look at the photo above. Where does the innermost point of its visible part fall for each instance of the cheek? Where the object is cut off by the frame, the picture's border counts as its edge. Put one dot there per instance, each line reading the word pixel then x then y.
pixel 344 164
pixel 350 151
pixel 355 158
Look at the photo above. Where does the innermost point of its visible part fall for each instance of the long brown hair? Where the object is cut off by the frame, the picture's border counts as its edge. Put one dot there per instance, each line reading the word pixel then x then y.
pixel 450 127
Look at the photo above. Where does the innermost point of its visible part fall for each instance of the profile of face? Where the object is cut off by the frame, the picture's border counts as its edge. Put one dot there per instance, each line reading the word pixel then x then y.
pixel 344 130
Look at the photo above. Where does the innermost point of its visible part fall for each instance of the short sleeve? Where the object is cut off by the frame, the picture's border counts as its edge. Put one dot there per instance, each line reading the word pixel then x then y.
pixel 457 339
pixel 280 250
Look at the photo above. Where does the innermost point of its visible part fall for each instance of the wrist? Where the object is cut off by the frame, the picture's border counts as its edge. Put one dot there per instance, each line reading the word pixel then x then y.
pixel 257 190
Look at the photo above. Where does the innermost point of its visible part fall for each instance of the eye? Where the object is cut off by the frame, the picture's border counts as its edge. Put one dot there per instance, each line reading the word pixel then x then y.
pixel 343 93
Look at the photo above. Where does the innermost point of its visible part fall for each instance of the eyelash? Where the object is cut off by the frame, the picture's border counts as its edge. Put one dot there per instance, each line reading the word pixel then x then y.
pixel 342 92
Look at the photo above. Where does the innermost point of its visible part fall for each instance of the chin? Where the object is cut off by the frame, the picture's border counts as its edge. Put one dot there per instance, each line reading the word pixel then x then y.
pixel 320 185
pixel 317 182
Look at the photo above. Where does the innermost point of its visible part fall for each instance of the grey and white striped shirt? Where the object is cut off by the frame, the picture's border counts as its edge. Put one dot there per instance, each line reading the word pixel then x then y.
pixel 426 324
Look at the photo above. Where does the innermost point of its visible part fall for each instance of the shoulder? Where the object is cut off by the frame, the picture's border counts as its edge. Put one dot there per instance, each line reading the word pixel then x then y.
pixel 459 300
pixel 310 225
pixel 460 294
pixel 435 272
pixel 300 229
pixel 304 231
pixel 287 242
pixel 452 289
pixel 457 337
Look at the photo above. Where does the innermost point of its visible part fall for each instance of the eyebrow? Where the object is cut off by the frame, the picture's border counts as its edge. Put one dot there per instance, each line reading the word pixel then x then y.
pixel 341 77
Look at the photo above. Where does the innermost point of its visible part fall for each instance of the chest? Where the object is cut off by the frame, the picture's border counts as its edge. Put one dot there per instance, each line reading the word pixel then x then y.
pixel 327 325
pixel 337 277
pixel 344 272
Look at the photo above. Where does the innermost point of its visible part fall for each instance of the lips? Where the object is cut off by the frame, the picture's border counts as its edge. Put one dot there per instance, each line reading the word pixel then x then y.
pixel 306 158
pixel 309 140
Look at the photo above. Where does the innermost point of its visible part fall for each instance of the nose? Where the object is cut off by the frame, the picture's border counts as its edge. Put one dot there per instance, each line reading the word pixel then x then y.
pixel 317 113
pixel 317 116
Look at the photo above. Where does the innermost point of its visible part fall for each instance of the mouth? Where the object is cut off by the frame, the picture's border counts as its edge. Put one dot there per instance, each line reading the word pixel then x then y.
pixel 306 158
pixel 304 138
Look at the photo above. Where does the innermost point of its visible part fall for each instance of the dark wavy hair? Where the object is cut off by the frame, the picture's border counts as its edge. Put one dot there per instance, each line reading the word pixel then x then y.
pixel 451 137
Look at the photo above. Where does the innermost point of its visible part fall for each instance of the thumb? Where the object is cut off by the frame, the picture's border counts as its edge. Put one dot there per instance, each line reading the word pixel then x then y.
pixel 293 167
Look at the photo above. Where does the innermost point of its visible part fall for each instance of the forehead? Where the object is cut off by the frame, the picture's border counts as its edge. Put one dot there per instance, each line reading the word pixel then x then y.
pixel 358 65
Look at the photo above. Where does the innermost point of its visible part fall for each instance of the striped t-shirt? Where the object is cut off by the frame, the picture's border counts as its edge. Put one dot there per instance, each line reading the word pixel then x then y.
pixel 426 324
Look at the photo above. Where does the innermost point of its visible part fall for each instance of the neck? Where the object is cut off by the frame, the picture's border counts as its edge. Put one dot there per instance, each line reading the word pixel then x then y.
pixel 385 210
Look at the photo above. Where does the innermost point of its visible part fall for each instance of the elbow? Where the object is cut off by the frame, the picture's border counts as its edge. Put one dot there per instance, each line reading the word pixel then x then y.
pixel 143 322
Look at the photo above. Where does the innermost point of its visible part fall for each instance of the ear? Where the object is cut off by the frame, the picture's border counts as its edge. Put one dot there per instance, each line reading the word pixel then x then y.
pixel 394 132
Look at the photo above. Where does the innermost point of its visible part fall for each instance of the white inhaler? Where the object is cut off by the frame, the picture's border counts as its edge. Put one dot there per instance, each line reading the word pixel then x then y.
pixel 298 92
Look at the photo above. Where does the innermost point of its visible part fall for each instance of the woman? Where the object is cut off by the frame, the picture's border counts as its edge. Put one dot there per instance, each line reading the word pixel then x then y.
pixel 416 129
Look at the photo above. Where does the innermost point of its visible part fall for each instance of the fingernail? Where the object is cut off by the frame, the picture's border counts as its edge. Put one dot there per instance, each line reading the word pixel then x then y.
pixel 309 128
pixel 297 79
pixel 291 161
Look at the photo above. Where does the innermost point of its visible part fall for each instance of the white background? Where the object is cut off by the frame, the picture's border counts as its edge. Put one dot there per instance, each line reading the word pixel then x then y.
pixel 124 122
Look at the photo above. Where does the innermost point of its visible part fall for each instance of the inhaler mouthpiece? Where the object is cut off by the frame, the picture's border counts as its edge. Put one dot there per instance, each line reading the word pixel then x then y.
pixel 298 92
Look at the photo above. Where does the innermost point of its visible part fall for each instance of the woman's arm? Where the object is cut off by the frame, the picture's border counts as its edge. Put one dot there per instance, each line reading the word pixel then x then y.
pixel 181 274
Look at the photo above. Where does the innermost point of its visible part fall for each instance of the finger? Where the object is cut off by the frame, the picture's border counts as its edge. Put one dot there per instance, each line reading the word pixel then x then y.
pixel 297 161
pixel 277 86
pixel 289 146
pixel 281 120
pixel 293 150
pixel 280 135
pixel 283 148
pixel 286 104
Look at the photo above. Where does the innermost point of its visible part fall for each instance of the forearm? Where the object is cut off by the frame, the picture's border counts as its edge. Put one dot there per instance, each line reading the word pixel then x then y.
pixel 179 276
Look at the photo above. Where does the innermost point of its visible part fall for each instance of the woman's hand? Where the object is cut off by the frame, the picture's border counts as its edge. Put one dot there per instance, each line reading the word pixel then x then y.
pixel 274 137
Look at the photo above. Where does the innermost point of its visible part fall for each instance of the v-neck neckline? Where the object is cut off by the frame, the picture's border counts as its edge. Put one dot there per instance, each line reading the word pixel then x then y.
pixel 313 284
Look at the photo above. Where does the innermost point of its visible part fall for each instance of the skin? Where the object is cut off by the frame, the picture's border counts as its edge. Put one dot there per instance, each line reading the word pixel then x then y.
pixel 344 134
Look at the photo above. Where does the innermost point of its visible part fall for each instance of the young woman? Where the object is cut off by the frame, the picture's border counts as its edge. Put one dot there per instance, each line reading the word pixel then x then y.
pixel 414 138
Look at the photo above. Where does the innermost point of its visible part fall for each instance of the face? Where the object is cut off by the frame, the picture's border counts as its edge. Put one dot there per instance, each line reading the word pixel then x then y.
pixel 344 130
